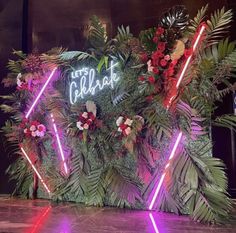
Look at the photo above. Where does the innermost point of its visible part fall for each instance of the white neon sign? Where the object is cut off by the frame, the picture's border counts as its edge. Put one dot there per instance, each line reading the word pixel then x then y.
pixel 85 82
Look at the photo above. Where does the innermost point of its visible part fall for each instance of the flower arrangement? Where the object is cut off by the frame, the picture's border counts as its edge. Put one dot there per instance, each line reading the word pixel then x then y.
pixel 33 129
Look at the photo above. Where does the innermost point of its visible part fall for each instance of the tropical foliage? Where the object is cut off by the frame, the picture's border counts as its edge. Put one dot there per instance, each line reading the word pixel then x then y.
pixel 117 142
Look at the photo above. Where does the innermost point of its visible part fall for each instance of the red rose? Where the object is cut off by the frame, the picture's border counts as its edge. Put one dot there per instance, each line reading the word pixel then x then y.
pixel 163 62
pixel 155 70
pixel 161 46
pixel 188 52
pixel 144 57
pixel 151 79
pixel 155 39
pixel 149 98
pixel 160 31
pixel 123 126
pixel 141 78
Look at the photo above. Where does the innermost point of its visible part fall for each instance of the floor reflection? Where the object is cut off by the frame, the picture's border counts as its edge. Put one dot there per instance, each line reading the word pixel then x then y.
pixel 41 216
pixel 40 220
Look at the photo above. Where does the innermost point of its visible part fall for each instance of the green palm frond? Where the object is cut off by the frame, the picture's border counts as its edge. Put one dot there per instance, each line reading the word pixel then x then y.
pixel 122 186
pixel 123 34
pixel 97 33
pixel 218 25
pixel 96 187
pixel 197 20
pixel 227 121
pixel 79 55
pixel 146 38
pixel 202 185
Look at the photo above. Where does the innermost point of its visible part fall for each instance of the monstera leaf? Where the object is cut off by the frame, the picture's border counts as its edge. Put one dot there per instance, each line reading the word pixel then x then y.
pixel 176 17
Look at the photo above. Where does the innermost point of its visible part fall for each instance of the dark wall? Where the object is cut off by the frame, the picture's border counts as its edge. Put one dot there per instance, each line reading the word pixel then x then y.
pixel 10 37
pixel 51 23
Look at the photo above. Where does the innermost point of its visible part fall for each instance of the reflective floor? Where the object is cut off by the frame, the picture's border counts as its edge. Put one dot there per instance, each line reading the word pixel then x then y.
pixel 40 216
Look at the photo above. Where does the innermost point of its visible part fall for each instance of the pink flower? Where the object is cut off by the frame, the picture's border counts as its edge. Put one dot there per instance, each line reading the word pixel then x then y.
pixel 163 62
pixel 41 128
pixel 167 57
pixel 86 126
pixel 150 67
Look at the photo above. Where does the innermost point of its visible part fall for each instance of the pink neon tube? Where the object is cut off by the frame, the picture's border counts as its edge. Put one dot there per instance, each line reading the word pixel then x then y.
pixel 164 173
pixel 189 58
pixel 59 144
pixel 153 223
pixel 34 168
pixel 40 93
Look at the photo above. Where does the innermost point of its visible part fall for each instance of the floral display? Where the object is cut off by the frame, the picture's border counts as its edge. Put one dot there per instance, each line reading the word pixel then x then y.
pixel 33 128
pixel 149 114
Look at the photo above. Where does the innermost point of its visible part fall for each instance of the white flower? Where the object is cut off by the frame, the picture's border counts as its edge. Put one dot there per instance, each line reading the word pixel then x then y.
pixel 34 134
pixel 127 130
pixel 40 133
pixel 25 130
pixel 32 128
pixel 18 81
pixel 119 129
pixel 85 115
pixel 86 126
pixel 119 120
pixel 150 67
pixel 128 122
pixel 79 125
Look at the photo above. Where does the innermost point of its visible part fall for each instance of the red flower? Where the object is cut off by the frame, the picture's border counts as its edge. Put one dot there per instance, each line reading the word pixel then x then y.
pixel 22 125
pixel 123 126
pixel 155 70
pixel 149 98
pixel 188 52
pixel 151 79
pixel 160 31
pixel 141 78
pixel 161 46
pixel 91 116
pixel 35 123
pixel 144 57
pixel 170 71
pixel 163 62
pixel 155 39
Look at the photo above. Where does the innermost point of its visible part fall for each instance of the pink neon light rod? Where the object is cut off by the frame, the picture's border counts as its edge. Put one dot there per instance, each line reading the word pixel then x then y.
pixel 153 223
pixel 40 93
pixel 189 58
pixel 59 144
pixel 34 168
pixel 164 173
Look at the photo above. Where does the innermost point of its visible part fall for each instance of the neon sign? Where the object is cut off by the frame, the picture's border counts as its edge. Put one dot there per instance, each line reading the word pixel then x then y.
pixel 85 82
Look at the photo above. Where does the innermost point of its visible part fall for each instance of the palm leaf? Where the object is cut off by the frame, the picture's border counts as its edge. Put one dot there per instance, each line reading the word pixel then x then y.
pixel 227 121
pixel 97 33
pixel 197 20
pixel 218 25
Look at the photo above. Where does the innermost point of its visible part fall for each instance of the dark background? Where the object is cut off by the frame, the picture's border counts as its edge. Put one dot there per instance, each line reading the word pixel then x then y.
pixel 38 25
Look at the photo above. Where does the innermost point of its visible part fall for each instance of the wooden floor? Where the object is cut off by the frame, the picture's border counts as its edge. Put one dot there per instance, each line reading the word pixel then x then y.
pixel 40 216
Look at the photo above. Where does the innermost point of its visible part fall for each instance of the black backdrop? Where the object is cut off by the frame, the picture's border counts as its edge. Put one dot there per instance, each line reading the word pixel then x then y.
pixel 31 25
